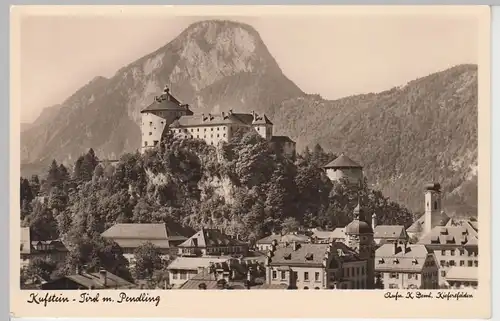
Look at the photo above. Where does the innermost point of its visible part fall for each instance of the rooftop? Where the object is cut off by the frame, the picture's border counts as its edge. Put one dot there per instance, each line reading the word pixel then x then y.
pixel 389 231
pixel 462 273
pixel 136 234
pixel 392 257
pixel 311 254
pixel 284 238
pixel 222 118
pixel 94 281
pixel 342 162
pixel 193 263
pixel 166 102
pixel 209 238
pixel 449 235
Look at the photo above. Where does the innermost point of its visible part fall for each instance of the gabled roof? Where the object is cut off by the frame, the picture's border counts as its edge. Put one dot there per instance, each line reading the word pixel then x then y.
pixel 389 232
pixel 343 162
pixel 449 235
pixel 209 238
pixel 419 224
pixel 310 254
pixel 212 120
pixel 392 257
pixel 93 280
pixel 136 234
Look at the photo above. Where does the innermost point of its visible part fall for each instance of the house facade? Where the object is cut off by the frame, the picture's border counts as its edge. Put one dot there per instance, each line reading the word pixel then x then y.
pixel 50 250
pixel 212 242
pixel 406 266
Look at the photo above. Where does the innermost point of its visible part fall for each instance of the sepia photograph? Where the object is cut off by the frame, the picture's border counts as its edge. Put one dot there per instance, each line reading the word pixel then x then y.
pixel 333 149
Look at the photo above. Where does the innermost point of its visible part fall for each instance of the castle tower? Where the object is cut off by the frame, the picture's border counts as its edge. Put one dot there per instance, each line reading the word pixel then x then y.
pixel 359 236
pixel 433 214
pixel 262 125
pixel 344 168
pixel 157 117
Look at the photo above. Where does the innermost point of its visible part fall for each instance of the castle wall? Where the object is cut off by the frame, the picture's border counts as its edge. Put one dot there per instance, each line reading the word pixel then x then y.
pixel 152 127
pixel 354 175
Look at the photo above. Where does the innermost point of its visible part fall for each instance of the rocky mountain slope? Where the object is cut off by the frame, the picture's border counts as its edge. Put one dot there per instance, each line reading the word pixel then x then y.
pixel 405 137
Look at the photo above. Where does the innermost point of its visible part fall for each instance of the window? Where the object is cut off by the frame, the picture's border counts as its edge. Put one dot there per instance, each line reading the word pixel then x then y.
pixel 443 252
pixel 295 275
pixel 393 286
pixel 452 252
pixel 410 276
pixel 442 262
pixel 394 276
pixel 306 276
pixel 475 263
pixel 150 133
pixel 469 263
pixel 435 205
pixel 462 263
pixel 316 276
pixel 462 252
pixel 274 275
pixel 416 276
pixel 223 135
pixel 211 129
pixel 150 123
pixel 183 275
pixel 155 142
pixel 217 135
pixel 204 129
pixel 443 273
pixel 197 129
pixel 174 275
pixel 145 144
pixel 452 263
pixel 283 275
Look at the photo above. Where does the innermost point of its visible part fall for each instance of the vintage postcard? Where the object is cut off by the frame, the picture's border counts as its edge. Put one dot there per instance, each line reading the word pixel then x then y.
pixel 250 161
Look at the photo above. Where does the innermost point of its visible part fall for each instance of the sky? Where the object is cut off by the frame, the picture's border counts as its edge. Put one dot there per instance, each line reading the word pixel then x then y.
pixel 331 56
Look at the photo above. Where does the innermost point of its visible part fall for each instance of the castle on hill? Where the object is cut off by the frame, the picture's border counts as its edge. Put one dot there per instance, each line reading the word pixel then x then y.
pixel 166 113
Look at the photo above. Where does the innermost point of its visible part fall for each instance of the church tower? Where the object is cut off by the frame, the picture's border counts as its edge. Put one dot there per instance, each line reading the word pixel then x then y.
pixel 432 216
pixel 359 236
pixel 157 117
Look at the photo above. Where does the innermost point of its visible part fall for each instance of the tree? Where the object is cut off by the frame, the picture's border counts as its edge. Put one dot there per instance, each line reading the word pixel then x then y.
pixel 147 261
pixel 39 268
pixel 26 191
pixel 289 225
pixel 42 222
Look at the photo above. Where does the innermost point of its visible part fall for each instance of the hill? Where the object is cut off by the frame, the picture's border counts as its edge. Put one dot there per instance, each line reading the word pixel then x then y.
pixel 405 137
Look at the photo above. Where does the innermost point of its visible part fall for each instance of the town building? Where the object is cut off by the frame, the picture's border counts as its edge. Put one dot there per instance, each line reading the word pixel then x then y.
pixel 406 266
pixel 316 266
pixel 453 246
pixel 359 236
pixel 242 274
pixel 166 113
pixel 462 277
pixel 182 269
pixel 212 242
pixel 83 280
pixel 50 250
pixel 342 168
pixel 265 243
pixel 166 237
pixel 433 215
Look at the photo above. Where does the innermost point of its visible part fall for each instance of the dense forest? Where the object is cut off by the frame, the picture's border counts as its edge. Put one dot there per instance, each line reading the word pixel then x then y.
pixel 246 187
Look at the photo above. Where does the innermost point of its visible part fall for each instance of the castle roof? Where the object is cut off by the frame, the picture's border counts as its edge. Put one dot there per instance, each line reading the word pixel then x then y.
pixel 393 257
pixel 166 101
pixel 342 162
pixel 222 118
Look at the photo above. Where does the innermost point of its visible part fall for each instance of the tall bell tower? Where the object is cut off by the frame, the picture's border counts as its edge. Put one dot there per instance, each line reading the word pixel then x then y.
pixel 432 206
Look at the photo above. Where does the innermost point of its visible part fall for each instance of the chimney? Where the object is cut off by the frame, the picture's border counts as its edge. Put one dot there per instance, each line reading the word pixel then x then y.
pixel 374 221
pixel 223 115
pixel 230 112
pixel 203 117
pixel 254 115
pixel 103 276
